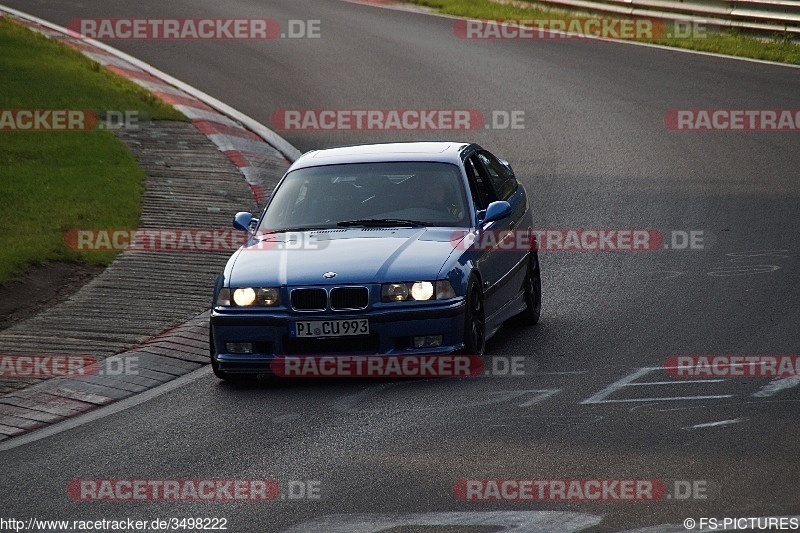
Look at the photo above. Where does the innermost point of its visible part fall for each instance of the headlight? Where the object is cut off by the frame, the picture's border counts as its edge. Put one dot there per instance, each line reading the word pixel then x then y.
pixel 244 296
pixel 249 296
pixel 422 290
pixel 268 296
pixel 394 292
pixel 417 291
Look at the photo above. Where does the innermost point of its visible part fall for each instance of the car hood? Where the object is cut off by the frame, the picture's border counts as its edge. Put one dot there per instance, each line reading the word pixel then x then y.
pixel 356 255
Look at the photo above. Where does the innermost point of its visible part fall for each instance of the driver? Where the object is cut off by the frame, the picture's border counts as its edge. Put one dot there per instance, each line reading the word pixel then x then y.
pixel 437 195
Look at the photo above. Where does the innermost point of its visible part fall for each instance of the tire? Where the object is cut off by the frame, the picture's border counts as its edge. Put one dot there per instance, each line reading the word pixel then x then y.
pixel 212 352
pixel 532 286
pixel 474 320
pixel 217 372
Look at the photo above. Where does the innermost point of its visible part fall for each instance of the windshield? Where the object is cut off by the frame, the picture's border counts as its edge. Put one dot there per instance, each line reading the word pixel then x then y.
pixel 368 194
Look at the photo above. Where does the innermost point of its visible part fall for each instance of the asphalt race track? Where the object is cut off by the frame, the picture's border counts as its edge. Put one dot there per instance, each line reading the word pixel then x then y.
pixel 594 152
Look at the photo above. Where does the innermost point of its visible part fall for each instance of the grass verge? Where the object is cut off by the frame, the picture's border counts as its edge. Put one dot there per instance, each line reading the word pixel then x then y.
pixel 779 48
pixel 53 181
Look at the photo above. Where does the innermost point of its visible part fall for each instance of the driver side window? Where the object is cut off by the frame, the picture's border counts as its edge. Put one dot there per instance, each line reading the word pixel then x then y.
pixel 482 192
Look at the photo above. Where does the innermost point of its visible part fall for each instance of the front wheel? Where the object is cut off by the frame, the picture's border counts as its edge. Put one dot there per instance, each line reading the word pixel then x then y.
pixel 212 352
pixel 217 372
pixel 532 288
pixel 474 320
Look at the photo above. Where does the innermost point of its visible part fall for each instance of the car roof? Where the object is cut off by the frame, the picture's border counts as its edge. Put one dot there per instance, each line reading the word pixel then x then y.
pixel 438 151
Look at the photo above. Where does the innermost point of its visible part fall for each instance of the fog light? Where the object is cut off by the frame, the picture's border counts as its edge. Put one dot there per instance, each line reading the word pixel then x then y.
pixel 428 341
pixel 239 347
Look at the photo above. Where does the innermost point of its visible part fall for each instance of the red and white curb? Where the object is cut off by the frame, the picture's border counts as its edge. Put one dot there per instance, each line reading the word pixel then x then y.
pixel 162 359
pixel 258 152
pixel 255 149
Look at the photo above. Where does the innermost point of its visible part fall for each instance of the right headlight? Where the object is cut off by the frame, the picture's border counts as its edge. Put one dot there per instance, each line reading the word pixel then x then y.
pixel 244 296
pixel 417 291
pixel 249 296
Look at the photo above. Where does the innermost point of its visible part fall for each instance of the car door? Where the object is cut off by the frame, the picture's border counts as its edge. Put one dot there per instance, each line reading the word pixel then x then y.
pixel 495 262
pixel 507 259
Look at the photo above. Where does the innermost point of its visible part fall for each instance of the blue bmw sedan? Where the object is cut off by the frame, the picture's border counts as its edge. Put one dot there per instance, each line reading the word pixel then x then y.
pixel 378 250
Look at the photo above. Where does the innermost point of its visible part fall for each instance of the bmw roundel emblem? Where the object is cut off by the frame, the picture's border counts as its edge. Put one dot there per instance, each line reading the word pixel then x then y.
pixel 329 275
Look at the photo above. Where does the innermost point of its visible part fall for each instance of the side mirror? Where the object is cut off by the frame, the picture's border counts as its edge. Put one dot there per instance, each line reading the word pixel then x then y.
pixel 244 221
pixel 496 211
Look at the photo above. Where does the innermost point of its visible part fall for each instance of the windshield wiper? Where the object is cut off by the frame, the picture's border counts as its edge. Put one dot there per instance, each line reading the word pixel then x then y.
pixel 291 230
pixel 380 222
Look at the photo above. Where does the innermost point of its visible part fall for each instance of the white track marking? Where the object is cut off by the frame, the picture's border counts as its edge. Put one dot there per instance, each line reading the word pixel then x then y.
pixel 629 380
pixel 716 424
pixel 777 385
pixel 350 403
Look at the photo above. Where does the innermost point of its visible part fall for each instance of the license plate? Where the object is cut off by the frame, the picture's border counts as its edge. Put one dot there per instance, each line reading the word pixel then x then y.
pixel 330 328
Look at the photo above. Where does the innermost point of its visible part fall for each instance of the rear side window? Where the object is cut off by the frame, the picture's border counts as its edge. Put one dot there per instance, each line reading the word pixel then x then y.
pixel 503 180
pixel 482 192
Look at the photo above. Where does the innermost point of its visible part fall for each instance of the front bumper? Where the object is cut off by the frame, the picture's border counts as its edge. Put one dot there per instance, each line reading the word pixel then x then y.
pixel 391 333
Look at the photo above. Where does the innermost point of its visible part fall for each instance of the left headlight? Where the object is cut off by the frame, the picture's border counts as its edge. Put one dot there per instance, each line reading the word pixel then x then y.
pixel 249 296
pixel 417 291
